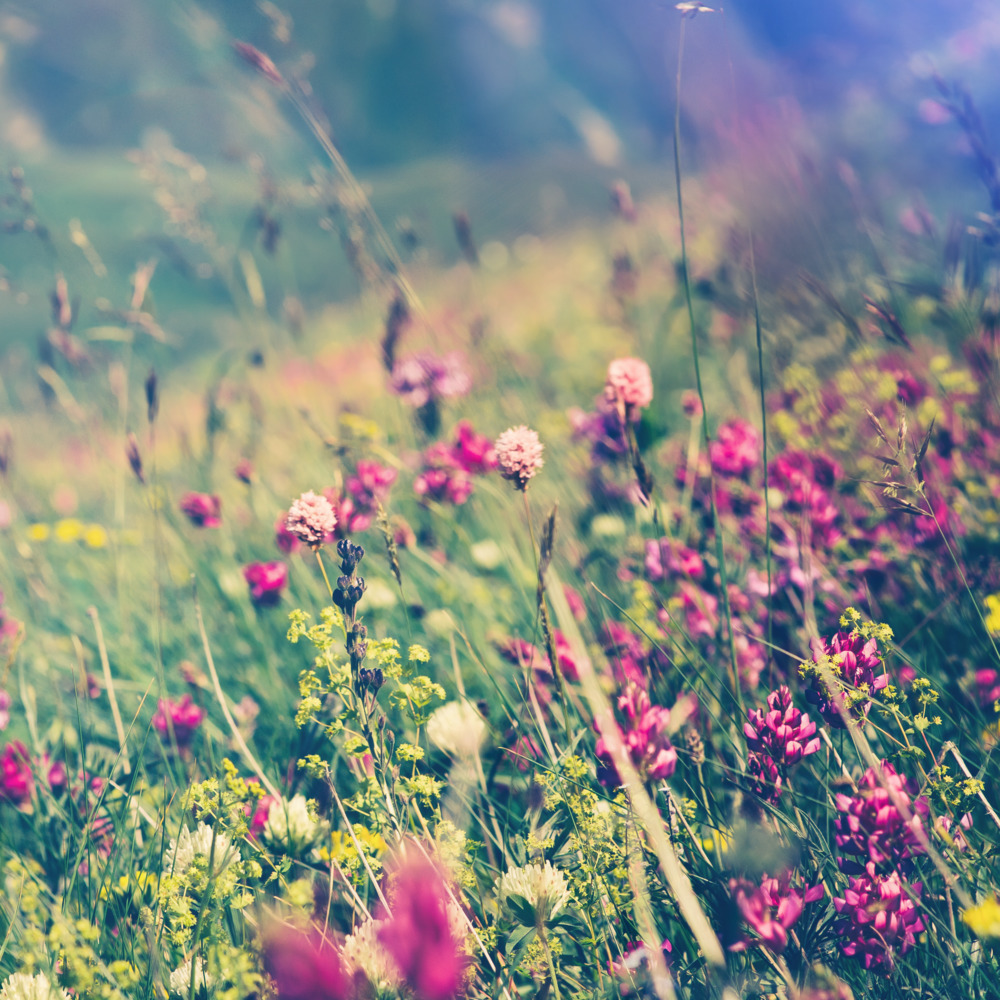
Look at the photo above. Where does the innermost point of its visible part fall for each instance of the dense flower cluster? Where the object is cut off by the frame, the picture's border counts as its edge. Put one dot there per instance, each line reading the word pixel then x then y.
pixel 644 733
pixel 519 455
pixel 425 378
pixel 879 919
pixel 629 383
pixel 777 739
pixel 852 660
pixel 871 825
pixel 311 519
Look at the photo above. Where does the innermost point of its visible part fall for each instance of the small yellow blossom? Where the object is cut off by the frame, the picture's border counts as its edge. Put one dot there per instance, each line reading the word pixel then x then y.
pixel 984 919
pixel 95 537
pixel 38 532
pixel 69 529
pixel 993 614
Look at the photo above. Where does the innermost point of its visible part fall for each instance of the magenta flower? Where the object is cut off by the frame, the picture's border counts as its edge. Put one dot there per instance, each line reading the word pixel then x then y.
pixel 629 383
pixel 770 909
pixel 645 737
pixel 17 780
pixel 879 920
pixel 519 455
pixel 311 519
pixel 184 716
pixel 473 452
pixel 871 825
pixel 442 478
pixel 666 557
pixel 777 739
pixel 419 935
pixel 203 510
pixel 854 660
pixel 266 580
pixel 305 966
pixel 370 485
pixel 736 449
pixel 425 378
pixel 283 538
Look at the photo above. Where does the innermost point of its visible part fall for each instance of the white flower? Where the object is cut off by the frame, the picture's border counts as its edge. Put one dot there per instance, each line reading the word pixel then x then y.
pixel 457 729
pixel 180 978
pixel 289 823
pixel 180 855
pixel 21 986
pixel 362 952
pixel 544 887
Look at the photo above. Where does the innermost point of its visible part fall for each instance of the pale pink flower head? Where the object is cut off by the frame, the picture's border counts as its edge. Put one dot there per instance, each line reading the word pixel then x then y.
pixel 629 382
pixel 311 519
pixel 519 455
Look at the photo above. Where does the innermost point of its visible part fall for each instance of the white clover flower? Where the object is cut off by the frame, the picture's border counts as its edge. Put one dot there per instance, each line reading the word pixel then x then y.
pixel 180 978
pixel 21 986
pixel 289 823
pixel 180 855
pixel 544 887
pixel 457 729
pixel 362 952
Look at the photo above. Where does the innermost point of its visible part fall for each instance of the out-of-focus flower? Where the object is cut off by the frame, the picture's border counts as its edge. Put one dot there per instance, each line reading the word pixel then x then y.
pixel 243 471
pixel 777 739
pixel 632 970
pixel 202 509
pixel 879 921
pixel 425 378
pixel 283 538
pixel 853 660
pixel 420 935
pixel 544 888
pixel 442 478
pixel 771 908
pixel 645 737
pixel 311 519
pixel 21 986
pixel 519 455
pixel 871 825
pixel 363 952
pixel 180 979
pixel 474 452
pixel 457 729
pixel 984 919
pixel 736 449
pixel 629 383
pixel 184 716
pixel 17 780
pixel 5 703
pixel 305 966
pixel 691 405
pixel 267 581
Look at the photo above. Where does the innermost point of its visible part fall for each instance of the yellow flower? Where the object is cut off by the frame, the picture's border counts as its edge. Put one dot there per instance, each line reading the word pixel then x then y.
pixel 69 529
pixel 38 532
pixel 984 919
pixel 993 614
pixel 95 536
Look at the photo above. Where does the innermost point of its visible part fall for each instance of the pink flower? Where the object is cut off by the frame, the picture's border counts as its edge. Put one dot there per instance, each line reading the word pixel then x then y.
pixel 442 478
pixel 310 519
pixel 854 662
pixel 879 921
pixel 645 737
pixel 473 452
pixel 419 935
pixel 202 509
pixel 425 378
pixel 871 825
pixel 777 739
pixel 519 455
pixel 771 908
pixel 244 471
pixel 736 450
pixel 305 966
pixel 17 779
pixel 5 703
pixel 283 538
pixel 629 382
pixel 266 580
pixel 184 715
pixel 691 405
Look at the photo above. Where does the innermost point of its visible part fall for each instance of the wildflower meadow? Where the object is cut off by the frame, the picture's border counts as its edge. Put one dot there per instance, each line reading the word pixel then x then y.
pixel 609 612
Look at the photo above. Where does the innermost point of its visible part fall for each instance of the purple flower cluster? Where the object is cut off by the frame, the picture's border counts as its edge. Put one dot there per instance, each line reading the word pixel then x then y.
pixel 447 469
pixel 853 660
pixel 184 717
pixel 425 378
pixel 771 909
pixel 644 733
pixel 777 739
pixel 879 919
pixel 872 826
pixel 735 450
pixel 357 506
